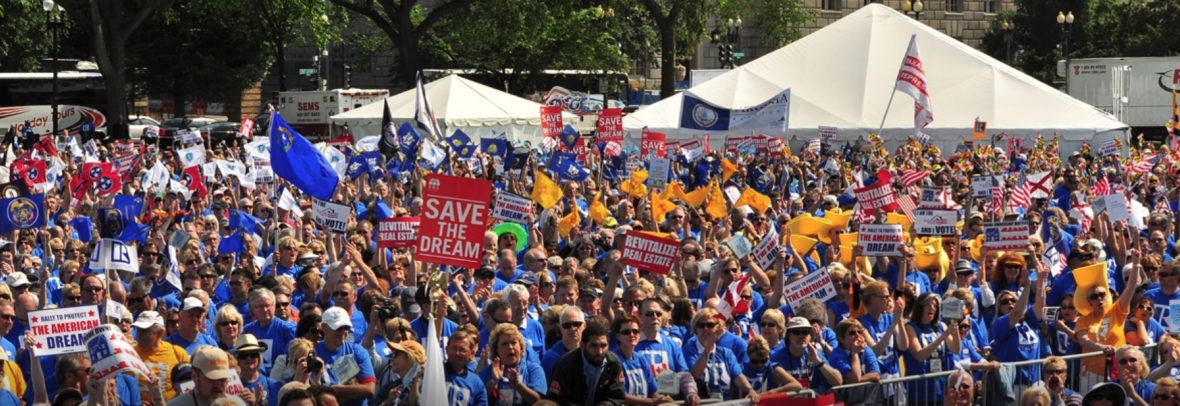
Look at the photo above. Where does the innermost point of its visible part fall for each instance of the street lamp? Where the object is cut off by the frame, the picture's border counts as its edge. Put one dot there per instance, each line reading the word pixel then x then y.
pixel 53 23
pixel 1007 27
pixel 1065 21
pixel 916 7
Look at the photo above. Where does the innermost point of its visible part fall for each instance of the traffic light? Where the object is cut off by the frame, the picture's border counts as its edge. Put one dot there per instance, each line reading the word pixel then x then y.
pixel 347 76
pixel 722 56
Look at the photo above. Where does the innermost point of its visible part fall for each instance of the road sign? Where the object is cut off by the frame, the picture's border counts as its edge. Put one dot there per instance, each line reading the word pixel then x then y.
pixel 307 72
pixel 739 55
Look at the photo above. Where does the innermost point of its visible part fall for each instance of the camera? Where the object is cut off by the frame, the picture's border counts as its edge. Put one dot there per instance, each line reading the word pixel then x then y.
pixel 386 309
pixel 314 365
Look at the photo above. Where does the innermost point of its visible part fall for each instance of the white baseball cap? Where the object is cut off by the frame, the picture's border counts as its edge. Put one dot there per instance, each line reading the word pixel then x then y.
pixel 192 303
pixel 16 279
pixel 336 318
pixel 148 319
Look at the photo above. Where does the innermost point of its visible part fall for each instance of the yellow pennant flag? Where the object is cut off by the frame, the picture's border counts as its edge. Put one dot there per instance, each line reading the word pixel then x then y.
pixel 635 186
pixel 697 197
pixel 716 207
pixel 727 169
pixel 546 192
pixel 569 223
pixel 660 207
pixel 674 191
pixel 753 199
pixel 598 211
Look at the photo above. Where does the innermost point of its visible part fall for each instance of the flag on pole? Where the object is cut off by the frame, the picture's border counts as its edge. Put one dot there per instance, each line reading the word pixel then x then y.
pixel 911 80
pixel 424 114
pixel 434 384
pixel 388 144
pixel 294 158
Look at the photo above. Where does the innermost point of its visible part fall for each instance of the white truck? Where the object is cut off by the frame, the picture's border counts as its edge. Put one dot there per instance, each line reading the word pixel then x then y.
pixel 309 112
pixel 1137 91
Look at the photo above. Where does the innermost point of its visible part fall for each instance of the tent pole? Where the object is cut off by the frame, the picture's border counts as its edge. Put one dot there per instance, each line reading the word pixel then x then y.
pixel 886 114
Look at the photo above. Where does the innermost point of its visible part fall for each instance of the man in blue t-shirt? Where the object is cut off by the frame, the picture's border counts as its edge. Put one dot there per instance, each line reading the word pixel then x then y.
pixel 275 332
pixel 189 335
pixel 359 384
pixel 1164 295
pixel 464 388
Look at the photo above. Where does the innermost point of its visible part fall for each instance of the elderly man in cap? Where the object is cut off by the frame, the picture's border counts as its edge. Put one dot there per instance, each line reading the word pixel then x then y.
pixel 158 355
pixel 189 336
pixel 588 300
pixel 211 373
pixel 360 384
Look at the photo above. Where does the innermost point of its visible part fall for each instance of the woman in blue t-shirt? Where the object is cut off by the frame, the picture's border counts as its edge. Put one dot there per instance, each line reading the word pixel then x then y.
pixel 1016 327
pixel 853 357
pixel 930 344
pixel 639 383
pixel 766 376
pixel 713 364
pixel 1141 328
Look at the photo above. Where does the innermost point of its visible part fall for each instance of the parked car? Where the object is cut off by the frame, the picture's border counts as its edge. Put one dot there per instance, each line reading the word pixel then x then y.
pixel 220 132
pixel 170 126
pixel 136 125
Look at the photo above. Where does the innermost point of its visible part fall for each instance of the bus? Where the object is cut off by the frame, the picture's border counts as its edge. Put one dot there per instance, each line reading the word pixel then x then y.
pixel 28 97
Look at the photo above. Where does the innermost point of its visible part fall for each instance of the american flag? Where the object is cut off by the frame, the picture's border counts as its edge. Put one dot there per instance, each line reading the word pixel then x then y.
pixel 1021 197
pixel 1082 208
pixel 910 177
pixel 1144 165
pixel 907 206
pixel 1163 206
pixel 996 205
pixel 922 138
pixel 1102 188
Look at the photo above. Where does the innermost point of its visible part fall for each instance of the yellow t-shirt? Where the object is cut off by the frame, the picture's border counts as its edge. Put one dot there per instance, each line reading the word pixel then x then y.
pixel 161 362
pixel 13 380
pixel 1107 330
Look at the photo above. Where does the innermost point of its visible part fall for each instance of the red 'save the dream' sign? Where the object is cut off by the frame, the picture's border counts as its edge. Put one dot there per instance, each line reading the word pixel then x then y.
pixel 400 232
pixel 551 125
pixel 610 125
pixel 454 219
pixel 650 253
pixel 651 145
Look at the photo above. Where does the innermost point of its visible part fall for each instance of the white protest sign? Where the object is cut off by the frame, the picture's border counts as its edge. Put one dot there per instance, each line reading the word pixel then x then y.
pixel 262 173
pixel 330 215
pixel 827 133
pixel 767 250
pixel 62 331
pixel 935 222
pixel 234 386
pixel 512 207
pixel 114 254
pixel 190 137
pixel 880 240
pixel 1006 236
pixel 110 353
pixel 1174 316
pixel 732 193
pixel 981 186
pixel 817 284
pixel 1108 148
pixel 954 309
pixel 739 245
pixel 1052 313
pixel 659 173
pixel 1116 205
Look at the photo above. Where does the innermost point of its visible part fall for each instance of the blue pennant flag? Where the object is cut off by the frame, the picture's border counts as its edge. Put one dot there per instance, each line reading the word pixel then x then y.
pixel 114 223
pixel 382 210
pixel 569 137
pixel 493 146
pixel 408 139
pixel 131 206
pixel 232 244
pixel 294 158
pixel 569 169
pixel 84 227
pixel 555 161
pixel 22 213
pixel 357 165
pixel 361 210
pixel 373 161
pixel 241 220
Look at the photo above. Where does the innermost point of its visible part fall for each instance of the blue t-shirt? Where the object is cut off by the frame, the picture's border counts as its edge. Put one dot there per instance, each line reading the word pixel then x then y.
pixel 530 374
pixel 190 346
pixel 697 296
pixel 723 367
pixel 465 389
pixel 734 343
pixel 419 325
pixel 890 364
pixel 921 391
pixel 348 353
pixel 1162 301
pixel 1154 330
pixel 798 366
pixel 918 280
pixel 9 349
pixel 638 378
pixel 761 379
pixel 1061 343
pixel 662 354
pixel 841 360
pixel 555 352
pixel 276 336
pixel 1020 343
pixel 269 386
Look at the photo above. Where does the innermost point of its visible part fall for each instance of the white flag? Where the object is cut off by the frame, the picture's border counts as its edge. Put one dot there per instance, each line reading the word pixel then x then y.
pixel 911 80
pixel 157 177
pixel 192 156
pixel 180 188
pixel 259 150
pixel 287 202
pixel 368 143
pixel 434 385
pixel 335 158
pixel 424 114
pixel 432 155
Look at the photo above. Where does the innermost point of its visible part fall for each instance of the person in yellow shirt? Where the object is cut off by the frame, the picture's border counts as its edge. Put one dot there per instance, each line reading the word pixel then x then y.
pixel 159 355
pixel 1101 325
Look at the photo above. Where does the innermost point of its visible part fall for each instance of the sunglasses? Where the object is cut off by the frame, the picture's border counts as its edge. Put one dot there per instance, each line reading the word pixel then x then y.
pixel 282 304
pixel 209 276
pixel 73 298
pixel 964 326
pixel 134 300
pixel 853 333
pixel 248 355
pixel 1069 308
pixel 769 324
pixel 1128 361
pixel 629 332
pixel 235 283
pixel 1097 295
pixel 654 313
pixel 341 294
pixel 1166 274
pixel 1162 397
pixel 706 325
pixel 93 289
pixel 571 325
pixel 1149 309
pixel 8 317
pixel 316 331
pixel 731 270
pixel 228 323
pixel 800 332
pixel 1007 301
pixel 759 361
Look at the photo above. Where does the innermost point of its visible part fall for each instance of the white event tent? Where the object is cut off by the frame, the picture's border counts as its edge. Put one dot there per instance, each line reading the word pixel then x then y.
pixel 458 104
pixel 842 76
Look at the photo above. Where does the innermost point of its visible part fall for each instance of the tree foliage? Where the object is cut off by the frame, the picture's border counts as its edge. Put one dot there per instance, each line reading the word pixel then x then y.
pixel 287 22
pixel 25 38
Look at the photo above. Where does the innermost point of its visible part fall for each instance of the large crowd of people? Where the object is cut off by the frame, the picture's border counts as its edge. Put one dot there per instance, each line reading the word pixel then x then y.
pixel 237 281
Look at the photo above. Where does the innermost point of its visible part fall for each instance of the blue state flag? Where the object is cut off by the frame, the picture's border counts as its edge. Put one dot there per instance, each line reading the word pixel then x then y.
pixel 408 139
pixel 697 114
pixel 241 220
pixel 458 140
pixel 232 244
pixel 84 227
pixel 294 158
pixel 114 223
pixel 493 146
pixel 555 160
pixel 569 169
pixel 569 137
pixel 373 161
pixel 22 213
pixel 357 165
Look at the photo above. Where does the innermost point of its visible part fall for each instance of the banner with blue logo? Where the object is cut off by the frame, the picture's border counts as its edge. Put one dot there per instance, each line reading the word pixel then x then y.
pixel 698 114
pixel 22 213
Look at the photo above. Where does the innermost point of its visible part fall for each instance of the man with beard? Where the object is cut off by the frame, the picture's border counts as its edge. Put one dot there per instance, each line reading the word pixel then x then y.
pixel 1054 371
pixel 591 376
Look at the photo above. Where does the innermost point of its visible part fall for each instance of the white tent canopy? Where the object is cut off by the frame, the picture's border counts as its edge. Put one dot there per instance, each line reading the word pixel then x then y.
pixel 842 76
pixel 458 104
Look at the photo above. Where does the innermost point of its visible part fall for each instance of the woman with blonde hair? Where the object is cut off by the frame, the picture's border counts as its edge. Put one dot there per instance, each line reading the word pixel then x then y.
pixel 773 328
pixel 838 308
pixel 1035 396
pixel 716 365
pixel 227 326
pixel 517 382
pixel 1167 393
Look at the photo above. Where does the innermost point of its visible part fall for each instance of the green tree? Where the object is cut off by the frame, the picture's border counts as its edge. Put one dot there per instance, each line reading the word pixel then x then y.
pixel 515 41
pixel 26 39
pixel 406 24
pixel 286 22
pixel 181 52
pixel 109 24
